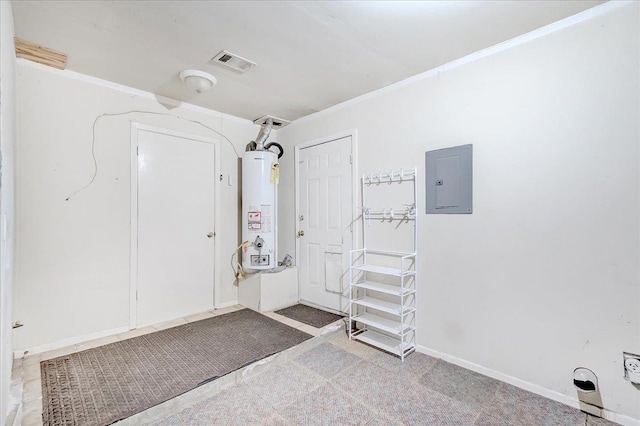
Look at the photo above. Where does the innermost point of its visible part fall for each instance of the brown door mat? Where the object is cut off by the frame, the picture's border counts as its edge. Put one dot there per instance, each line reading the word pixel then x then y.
pixel 103 385
pixel 308 315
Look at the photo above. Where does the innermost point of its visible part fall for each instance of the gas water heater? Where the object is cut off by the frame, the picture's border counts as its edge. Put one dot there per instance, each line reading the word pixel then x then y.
pixel 259 209
pixel 260 178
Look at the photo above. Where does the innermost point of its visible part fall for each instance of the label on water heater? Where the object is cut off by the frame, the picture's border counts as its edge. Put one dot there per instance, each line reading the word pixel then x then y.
pixel 259 218
pixel 254 220
pixel 275 174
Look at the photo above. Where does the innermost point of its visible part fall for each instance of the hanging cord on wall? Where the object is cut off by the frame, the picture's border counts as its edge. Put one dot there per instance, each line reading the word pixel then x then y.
pixel 114 114
pixel 238 270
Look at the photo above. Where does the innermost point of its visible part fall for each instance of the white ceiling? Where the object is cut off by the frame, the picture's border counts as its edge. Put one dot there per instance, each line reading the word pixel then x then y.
pixel 310 54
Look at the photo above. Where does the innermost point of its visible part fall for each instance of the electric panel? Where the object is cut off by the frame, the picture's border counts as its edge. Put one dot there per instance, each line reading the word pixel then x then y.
pixel 449 180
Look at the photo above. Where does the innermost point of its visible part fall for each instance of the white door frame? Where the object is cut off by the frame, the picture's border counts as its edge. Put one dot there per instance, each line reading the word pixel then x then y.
pixel 354 184
pixel 133 253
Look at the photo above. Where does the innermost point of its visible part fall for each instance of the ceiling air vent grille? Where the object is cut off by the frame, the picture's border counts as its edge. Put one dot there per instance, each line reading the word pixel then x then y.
pixel 233 61
pixel 277 122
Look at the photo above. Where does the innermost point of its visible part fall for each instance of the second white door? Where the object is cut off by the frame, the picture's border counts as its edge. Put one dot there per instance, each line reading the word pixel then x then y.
pixel 175 226
pixel 325 222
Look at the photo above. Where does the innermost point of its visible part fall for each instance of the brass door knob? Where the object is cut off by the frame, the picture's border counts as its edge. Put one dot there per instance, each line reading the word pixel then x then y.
pixel 300 233
pixel 210 235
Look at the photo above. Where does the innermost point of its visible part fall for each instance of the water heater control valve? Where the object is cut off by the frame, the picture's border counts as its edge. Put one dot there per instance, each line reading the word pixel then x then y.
pixel 259 242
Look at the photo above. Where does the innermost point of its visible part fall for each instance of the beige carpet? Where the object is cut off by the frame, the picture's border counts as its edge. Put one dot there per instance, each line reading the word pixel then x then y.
pixel 103 385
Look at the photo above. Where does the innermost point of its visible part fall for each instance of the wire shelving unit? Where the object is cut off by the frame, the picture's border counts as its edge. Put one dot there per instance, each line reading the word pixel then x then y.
pixel 382 294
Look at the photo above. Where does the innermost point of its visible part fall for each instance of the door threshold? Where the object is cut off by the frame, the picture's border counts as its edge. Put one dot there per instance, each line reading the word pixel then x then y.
pixel 322 308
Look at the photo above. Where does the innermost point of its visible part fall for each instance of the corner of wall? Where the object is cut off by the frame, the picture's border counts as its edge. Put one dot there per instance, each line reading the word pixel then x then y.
pixel 7 209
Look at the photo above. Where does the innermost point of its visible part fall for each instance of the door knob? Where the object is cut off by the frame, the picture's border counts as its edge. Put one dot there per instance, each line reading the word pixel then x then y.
pixel 300 233
pixel 210 235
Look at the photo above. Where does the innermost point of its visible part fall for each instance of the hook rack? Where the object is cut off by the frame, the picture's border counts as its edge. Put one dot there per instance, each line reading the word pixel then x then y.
pixel 389 176
pixel 407 213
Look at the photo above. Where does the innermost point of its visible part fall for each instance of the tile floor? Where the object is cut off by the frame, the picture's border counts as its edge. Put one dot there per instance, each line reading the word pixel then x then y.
pixel 330 380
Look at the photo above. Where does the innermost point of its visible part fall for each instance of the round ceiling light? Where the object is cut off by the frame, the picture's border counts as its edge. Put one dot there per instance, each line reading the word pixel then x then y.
pixel 199 81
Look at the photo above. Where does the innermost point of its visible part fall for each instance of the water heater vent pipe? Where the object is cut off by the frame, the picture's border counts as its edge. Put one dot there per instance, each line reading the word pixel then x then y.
pixel 265 131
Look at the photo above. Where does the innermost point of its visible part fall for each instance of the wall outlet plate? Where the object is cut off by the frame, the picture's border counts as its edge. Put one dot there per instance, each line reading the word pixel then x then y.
pixel 631 367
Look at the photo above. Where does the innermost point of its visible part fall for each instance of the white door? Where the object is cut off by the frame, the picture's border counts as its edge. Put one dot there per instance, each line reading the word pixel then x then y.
pixel 175 226
pixel 325 223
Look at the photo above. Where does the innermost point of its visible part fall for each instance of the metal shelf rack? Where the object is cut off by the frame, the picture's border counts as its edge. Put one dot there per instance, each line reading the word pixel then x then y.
pixel 384 313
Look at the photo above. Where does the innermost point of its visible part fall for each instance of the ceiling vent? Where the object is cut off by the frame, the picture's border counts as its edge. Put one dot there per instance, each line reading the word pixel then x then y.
pixel 277 122
pixel 232 61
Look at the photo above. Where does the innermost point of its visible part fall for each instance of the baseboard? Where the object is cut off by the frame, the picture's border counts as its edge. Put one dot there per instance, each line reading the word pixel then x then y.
pixel 68 342
pixel 20 353
pixel 531 387
pixel 226 304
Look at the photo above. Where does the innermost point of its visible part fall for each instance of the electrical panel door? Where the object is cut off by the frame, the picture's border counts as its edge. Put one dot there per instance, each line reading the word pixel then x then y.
pixel 449 180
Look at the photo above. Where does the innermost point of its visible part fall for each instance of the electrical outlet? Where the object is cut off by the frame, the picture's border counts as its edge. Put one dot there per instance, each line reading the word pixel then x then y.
pixel 631 367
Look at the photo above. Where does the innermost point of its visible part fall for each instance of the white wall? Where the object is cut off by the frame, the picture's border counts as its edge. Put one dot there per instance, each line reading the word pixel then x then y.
pixel 7 198
pixel 543 277
pixel 73 256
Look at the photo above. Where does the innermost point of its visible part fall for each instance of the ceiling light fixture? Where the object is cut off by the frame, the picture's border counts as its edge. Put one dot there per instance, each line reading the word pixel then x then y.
pixel 199 81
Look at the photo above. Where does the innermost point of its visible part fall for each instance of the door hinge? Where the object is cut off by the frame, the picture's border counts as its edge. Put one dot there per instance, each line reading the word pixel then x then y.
pixel 137 150
pixel 350 158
